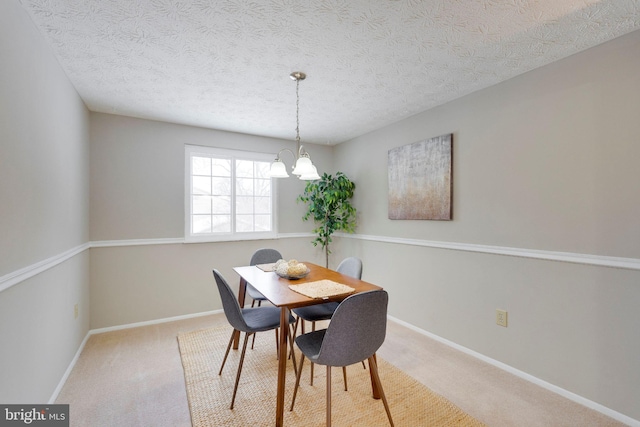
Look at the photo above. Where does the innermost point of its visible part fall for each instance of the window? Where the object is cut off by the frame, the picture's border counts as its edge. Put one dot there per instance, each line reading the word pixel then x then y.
pixel 228 195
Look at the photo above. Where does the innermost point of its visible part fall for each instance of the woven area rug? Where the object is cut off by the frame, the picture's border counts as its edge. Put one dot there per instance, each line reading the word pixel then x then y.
pixel 209 394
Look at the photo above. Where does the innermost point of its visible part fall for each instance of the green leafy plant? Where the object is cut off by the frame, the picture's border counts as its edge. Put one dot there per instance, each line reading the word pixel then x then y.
pixel 327 201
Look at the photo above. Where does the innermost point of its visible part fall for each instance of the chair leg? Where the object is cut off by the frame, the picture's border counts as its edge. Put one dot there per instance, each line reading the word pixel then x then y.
pixel 253 302
pixel 328 396
pixel 277 345
pixel 244 350
pixel 292 353
pixel 295 389
pixel 295 327
pixel 313 328
pixel 295 332
pixel 344 375
pixel 373 367
pixel 253 340
pixel 227 352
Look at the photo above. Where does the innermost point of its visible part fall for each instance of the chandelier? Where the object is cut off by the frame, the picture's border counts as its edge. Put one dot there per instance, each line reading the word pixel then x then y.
pixel 303 168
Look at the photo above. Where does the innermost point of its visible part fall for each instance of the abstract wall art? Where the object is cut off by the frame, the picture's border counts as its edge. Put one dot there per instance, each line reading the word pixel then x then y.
pixel 420 179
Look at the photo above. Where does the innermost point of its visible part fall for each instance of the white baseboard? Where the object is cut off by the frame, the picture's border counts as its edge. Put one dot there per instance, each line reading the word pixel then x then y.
pixel 537 381
pixel 152 322
pixel 64 378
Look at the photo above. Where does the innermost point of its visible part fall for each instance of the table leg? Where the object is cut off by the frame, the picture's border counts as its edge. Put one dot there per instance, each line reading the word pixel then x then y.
pixel 374 386
pixel 282 365
pixel 242 292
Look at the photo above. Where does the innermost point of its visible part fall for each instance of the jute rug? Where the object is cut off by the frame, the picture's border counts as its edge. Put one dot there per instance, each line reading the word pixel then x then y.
pixel 209 394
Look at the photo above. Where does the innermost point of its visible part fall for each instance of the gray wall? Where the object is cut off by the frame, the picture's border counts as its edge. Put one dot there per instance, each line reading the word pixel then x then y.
pixel 137 175
pixel 44 212
pixel 137 192
pixel 546 162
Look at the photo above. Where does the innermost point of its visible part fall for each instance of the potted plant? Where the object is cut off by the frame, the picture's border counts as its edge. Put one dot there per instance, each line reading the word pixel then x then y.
pixel 327 201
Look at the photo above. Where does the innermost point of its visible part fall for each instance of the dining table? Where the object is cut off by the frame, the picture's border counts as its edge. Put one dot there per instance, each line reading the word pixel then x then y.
pixel 276 290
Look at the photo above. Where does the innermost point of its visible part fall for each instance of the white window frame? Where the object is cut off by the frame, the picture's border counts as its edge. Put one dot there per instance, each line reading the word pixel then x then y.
pixel 195 150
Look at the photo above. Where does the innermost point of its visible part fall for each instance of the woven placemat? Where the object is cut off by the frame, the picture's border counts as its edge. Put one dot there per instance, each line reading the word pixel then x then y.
pixel 209 395
pixel 322 289
pixel 267 267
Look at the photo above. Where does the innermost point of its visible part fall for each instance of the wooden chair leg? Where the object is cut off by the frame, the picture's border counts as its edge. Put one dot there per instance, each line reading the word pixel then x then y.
pixel 311 382
pixel 328 396
pixel 227 352
pixel 292 353
pixel 295 332
pixel 313 328
pixel 295 327
pixel 277 344
pixel 374 371
pixel 244 350
pixel 295 389
pixel 253 340
pixel 344 375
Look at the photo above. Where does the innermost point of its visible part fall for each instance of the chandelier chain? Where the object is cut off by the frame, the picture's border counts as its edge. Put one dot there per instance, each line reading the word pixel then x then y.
pixel 298 113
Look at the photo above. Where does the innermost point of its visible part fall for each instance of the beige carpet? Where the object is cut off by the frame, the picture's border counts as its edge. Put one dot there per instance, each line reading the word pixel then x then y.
pixel 209 394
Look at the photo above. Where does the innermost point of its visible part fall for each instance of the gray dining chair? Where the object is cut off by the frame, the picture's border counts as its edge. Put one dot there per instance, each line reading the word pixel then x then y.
pixel 261 256
pixel 351 266
pixel 249 321
pixel 356 331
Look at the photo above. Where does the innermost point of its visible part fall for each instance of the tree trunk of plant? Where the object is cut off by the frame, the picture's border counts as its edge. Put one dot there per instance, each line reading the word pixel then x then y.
pixel 326 256
pixel 326 241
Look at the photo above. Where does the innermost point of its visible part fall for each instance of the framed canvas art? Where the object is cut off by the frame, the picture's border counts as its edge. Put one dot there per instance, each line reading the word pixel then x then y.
pixel 420 179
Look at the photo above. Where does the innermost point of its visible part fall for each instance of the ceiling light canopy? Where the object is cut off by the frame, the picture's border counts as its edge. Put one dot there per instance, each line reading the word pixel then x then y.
pixel 303 167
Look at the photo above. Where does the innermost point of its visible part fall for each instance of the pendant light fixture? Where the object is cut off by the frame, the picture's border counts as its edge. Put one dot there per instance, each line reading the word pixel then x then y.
pixel 304 168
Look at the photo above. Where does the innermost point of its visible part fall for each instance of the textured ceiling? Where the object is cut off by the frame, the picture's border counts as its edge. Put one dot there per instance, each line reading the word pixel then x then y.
pixel 225 64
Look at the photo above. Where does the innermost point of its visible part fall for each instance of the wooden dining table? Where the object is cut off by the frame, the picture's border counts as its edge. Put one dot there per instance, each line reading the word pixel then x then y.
pixel 276 290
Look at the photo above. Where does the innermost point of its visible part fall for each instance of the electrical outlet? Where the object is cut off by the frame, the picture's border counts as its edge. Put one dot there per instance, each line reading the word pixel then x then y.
pixel 75 311
pixel 501 318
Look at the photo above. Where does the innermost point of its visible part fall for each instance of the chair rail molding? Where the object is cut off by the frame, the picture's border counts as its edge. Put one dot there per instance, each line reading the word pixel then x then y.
pixel 576 258
pixel 13 278
pixel 136 242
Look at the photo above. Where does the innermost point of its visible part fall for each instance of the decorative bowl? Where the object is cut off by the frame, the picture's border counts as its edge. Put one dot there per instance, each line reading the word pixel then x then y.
pixel 294 276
